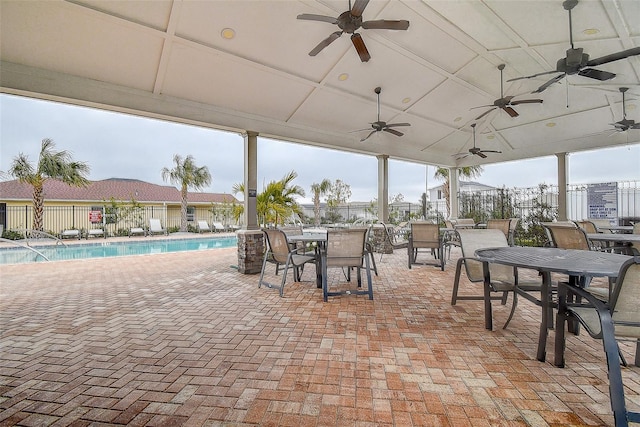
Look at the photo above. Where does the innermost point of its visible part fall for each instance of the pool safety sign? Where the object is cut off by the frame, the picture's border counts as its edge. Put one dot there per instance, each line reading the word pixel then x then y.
pixel 602 200
pixel 95 217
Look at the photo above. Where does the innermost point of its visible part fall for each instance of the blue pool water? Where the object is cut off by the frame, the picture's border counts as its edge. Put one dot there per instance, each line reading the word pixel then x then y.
pixel 15 255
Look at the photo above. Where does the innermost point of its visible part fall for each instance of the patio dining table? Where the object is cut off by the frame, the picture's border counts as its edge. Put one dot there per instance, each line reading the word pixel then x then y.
pixel 572 262
pixel 623 238
pixel 320 239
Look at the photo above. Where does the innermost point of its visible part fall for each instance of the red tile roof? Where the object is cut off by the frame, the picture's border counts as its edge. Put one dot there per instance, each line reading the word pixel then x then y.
pixel 118 188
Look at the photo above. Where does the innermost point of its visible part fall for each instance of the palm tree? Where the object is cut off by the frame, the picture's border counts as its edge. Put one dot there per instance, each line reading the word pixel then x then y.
pixel 187 175
pixel 318 191
pixel 51 164
pixel 276 202
pixel 464 172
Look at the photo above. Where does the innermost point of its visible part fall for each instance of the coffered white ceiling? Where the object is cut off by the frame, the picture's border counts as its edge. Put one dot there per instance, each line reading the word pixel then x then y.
pixel 168 59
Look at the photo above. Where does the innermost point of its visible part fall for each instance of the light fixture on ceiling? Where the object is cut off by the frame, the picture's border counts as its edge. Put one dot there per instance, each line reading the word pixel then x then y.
pixel 457 119
pixel 550 124
pixel 342 77
pixel 631 106
pixel 228 33
pixel 590 31
pixel 491 137
pixel 406 100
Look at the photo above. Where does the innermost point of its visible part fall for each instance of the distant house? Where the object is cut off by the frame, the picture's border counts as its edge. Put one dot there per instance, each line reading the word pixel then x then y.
pixel 69 207
pixel 437 193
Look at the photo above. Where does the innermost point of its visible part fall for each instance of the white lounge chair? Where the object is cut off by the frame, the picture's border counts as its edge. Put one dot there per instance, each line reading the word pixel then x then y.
pixel 155 227
pixel 96 232
pixel 203 226
pixel 70 234
pixel 217 226
pixel 137 231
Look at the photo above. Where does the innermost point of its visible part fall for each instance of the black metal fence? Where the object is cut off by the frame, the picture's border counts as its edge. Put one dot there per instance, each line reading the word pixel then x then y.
pixel 115 221
pixel 618 201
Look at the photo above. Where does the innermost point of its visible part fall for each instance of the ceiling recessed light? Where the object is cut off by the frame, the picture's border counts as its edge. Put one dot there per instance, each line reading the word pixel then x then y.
pixel 228 33
pixel 631 106
pixel 491 136
pixel 406 100
pixel 457 119
pixel 550 124
pixel 590 31
pixel 342 77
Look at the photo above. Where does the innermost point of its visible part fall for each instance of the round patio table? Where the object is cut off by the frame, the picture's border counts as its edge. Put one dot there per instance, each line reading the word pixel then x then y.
pixel 572 262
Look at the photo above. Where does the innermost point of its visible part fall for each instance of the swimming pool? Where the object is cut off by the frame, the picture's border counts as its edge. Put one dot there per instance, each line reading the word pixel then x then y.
pixel 17 255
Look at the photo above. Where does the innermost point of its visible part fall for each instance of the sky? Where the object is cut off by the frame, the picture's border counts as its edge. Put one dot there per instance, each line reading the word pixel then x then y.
pixel 116 145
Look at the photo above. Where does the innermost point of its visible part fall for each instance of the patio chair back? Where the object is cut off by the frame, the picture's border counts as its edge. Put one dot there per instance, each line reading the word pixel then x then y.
pixel 566 237
pixel 425 235
pixel 278 245
pixel 292 230
pixel 203 226
pixel 346 249
pixel 473 239
pixel 500 224
pixel 601 224
pixel 587 226
pixel 513 224
pixel 155 227
pixel 279 252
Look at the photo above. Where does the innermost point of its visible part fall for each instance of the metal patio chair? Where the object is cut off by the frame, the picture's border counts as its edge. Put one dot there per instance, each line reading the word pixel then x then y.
pixel 279 251
pixel 619 318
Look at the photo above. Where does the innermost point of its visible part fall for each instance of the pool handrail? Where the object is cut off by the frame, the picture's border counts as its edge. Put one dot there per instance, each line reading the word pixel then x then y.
pixel 2 239
pixel 29 233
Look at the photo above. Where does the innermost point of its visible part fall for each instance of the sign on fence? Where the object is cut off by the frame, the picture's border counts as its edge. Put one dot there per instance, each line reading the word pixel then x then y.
pixel 602 200
pixel 95 217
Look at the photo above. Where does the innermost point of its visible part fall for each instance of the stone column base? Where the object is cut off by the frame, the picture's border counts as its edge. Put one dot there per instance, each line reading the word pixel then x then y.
pixel 251 247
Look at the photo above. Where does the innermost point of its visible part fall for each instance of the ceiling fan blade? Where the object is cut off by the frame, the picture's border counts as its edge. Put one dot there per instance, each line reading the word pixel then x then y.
pixel 527 101
pixel 367 137
pixel 532 76
pixel 393 131
pixel 549 83
pixel 596 74
pixel 460 156
pixel 324 43
pixel 614 57
pixel 390 125
pixel 482 106
pixel 384 24
pixel 358 43
pixel 485 113
pixel 490 151
pixel 480 154
pixel 510 111
pixel 323 18
pixel 358 7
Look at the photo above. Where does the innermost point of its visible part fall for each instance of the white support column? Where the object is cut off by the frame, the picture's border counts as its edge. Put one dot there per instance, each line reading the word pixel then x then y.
pixel 383 187
pixel 250 180
pixel 562 185
pixel 251 243
pixel 454 209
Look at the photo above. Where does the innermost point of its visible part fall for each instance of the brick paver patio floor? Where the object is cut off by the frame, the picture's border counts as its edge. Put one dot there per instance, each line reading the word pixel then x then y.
pixel 184 339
